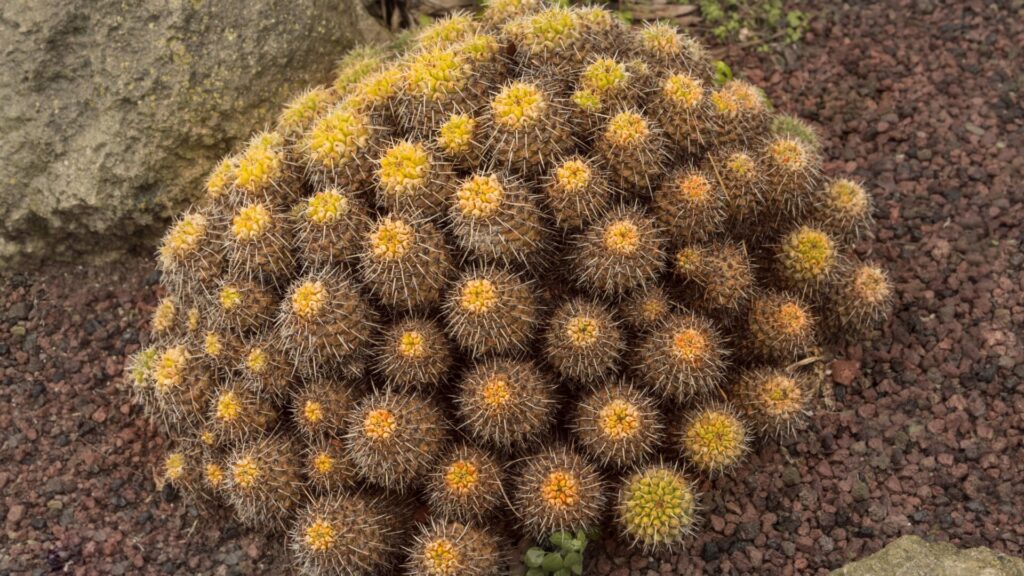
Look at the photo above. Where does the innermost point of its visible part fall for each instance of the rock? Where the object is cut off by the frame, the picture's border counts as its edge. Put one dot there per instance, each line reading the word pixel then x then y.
pixel 912 555
pixel 16 513
pixel 113 117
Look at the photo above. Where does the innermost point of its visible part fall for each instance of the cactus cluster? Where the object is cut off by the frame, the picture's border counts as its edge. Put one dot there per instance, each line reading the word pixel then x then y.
pixel 538 263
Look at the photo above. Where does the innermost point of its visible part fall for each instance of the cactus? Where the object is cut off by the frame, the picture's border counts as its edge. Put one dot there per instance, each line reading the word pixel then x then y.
pixel 780 327
pixel 320 408
pixel 681 104
pixel 395 438
pixel 646 309
pixel 689 205
pixel 524 128
pixel 328 465
pixel 807 260
pixel 859 299
pixel 404 264
pixel 618 425
pixel 577 192
pixel 322 536
pixel 490 310
pixel 633 147
pixel 558 489
pixel 451 549
pixel 583 342
pixel 413 180
pixel 844 210
pixel 413 353
pixel 242 305
pixel 264 483
pixel 466 485
pixel 657 507
pixel 772 400
pixel 237 413
pixel 538 223
pixel 713 438
pixel 717 277
pixel 507 404
pixel 620 253
pixel 329 226
pixel 495 219
pixel 682 359
pixel 325 324
pixel 191 254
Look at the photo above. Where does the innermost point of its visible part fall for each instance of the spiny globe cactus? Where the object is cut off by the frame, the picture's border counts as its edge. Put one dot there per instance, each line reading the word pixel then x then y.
pixel 454 549
pixel 713 438
pixel 527 230
pixel 657 507
pixel 323 534
pixel 466 484
pixel 558 489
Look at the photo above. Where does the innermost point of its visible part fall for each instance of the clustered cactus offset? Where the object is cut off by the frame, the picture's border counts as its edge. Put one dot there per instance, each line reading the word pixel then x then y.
pixel 537 262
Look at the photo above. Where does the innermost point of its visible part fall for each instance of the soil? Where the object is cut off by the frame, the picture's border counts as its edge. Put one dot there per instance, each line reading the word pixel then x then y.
pixel 919 99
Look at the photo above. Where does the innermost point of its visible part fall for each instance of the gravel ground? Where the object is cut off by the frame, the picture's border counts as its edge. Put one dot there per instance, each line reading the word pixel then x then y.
pixel 921 99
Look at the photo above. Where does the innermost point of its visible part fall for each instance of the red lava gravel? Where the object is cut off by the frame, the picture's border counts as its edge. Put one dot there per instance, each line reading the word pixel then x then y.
pixel 920 99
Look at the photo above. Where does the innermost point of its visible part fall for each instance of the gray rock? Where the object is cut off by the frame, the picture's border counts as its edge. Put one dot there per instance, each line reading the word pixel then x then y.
pixel 912 556
pixel 114 112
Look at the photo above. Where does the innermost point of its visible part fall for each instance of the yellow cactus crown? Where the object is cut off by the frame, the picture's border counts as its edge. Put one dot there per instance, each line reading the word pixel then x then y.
pixel 519 105
pixel 582 331
pixel 251 222
pixel 626 129
pixel 442 558
pixel 326 206
pixel 848 197
pixel 261 162
pixel 308 299
pixel 456 134
pixel 461 477
pixel 380 424
pixel 319 536
pixel 184 238
pixel 220 180
pixel 478 296
pixel 305 108
pixel 481 196
pixel 560 489
pixel 690 345
pixel 337 137
pixel 392 238
pixel 447 31
pixel 683 90
pixel 573 175
pixel 622 237
pixel 436 74
pixel 619 419
pixel 871 284
pixel 661 39
pixel 604 75
pixel 404 167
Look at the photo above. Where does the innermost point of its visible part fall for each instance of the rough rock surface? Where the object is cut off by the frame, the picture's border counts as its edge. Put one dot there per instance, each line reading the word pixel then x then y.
pixel 912 556
pixel 113 112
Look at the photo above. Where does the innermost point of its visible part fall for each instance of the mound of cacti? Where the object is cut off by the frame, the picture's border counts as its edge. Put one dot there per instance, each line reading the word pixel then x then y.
pixel 535 271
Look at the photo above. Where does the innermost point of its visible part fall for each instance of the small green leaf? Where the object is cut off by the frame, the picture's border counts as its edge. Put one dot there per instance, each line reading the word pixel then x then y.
pixel 723 73
pixel 560 539
pixel 563 572
pixel 573 559
pixel 553 561
pixel 534 556
pixel 535 572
